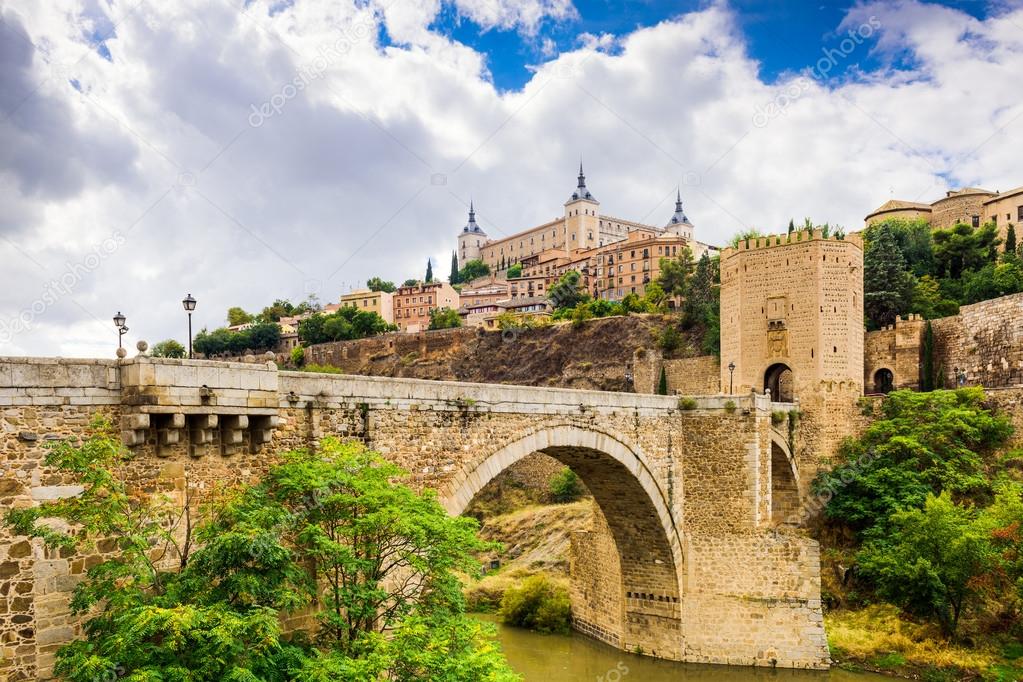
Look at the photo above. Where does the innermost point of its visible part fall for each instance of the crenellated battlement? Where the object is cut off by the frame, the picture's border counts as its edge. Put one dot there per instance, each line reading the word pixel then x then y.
pixel 796 237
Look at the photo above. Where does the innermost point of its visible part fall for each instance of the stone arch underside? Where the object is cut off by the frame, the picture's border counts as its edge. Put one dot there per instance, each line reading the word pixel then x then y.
pixel 645 612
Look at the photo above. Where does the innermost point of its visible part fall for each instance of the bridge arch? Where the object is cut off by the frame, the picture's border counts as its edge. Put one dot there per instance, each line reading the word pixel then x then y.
pixel 645 610
pixel 785 490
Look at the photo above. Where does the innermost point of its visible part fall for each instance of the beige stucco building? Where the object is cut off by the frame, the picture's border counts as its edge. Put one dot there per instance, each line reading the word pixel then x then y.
pixel 379 302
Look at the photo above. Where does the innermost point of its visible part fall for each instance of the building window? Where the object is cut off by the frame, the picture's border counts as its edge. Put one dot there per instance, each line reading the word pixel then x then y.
pixel 1019 213
pixel 976 221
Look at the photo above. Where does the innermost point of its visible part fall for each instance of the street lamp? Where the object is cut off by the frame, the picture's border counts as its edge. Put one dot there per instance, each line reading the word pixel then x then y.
pixel 119 321
pixel 731 374
pixel 189 304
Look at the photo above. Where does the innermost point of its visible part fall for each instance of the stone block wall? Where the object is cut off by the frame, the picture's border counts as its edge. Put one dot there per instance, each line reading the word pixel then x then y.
pixel 985 340
pixel 699 375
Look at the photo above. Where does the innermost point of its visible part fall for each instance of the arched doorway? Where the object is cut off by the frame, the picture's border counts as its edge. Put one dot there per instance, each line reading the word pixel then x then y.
pixel 884 381
pixel 627 587
pixel 778 380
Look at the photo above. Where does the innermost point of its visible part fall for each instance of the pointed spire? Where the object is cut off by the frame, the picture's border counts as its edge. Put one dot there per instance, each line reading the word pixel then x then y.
pixel 680 215
pixel 471 226
pixel 580 191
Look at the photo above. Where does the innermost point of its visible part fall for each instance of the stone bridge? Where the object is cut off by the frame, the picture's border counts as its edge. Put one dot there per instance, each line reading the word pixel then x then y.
pixel 686 559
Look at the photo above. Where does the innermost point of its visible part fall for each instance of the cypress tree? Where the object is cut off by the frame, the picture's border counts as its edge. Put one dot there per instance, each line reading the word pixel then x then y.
pixel 1010 239
pixel 792 226
pixel 887 285
pixel 662 384
pixel 927 381
pixel 429 271
pixel 453 279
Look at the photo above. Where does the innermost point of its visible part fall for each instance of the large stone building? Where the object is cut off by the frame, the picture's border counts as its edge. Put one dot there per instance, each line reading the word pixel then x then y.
pixel 582 239
pixel 970 205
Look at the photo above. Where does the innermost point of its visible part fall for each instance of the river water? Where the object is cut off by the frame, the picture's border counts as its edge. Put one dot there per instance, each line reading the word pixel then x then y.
pixel 576 658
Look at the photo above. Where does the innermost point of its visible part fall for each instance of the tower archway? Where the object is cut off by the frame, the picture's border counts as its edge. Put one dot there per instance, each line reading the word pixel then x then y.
pixel 632 600
pixel 778 380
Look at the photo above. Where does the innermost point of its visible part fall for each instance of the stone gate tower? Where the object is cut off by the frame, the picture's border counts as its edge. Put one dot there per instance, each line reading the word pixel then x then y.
pixel 792 324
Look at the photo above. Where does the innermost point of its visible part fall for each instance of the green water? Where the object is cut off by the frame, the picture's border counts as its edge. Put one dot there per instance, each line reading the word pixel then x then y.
pixel 575 658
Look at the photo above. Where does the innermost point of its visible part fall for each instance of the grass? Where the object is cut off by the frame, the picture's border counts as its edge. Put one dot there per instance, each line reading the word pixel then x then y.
pixel 879 638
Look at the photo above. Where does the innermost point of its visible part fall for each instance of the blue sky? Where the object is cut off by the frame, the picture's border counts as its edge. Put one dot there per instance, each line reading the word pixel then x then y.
pixel 783 35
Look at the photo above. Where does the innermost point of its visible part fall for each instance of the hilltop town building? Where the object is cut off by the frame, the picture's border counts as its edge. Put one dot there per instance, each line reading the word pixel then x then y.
pixel 584 240
pixel 413 304
pixel 379 302
pixel 970 205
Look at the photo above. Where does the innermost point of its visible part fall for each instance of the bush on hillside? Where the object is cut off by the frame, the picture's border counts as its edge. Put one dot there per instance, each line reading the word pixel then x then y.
pixel 538 603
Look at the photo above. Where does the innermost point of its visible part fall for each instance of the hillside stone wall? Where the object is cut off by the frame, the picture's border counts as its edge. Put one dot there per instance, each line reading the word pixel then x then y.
pixel 985 340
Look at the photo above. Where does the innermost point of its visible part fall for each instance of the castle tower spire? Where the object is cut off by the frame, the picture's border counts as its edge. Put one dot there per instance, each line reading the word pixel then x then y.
pixel 580 191
pixel 679 218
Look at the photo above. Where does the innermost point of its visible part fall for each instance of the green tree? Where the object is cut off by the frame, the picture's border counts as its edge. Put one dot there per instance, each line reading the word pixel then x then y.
pixel 473 269
pixel 701 294
pixel 168 348
pixel 237 316
pixel 923 444
pixel 914 240
pixel 887 286
pixel 1010 240
pixel 444 318
pixel 792 226
pixel 962 247
pixel 567 292
pixel 565 486
pixel 930 563
pixel 745 235
pixel 676 273
pixel 453 278
pixel 346 323
pixel 336 526
pixel 429 271
pixel 515 271
pixel 929 374
pixel 144 621
pixel 377 284
pixel 410 283
pixel 929 301
pixel 662 383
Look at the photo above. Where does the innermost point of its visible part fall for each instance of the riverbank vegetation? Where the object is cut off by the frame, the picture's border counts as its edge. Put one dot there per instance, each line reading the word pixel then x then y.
pixel 922 536
pixel 330 542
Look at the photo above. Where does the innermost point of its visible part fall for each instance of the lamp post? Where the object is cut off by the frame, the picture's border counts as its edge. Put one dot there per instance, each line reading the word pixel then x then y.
pixel 189 304
pixel 731 375
pixel 119 320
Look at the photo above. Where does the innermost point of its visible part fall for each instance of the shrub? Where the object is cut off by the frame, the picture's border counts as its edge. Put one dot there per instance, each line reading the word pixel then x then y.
pixel 687 403
pixel 538 603
pixel 565 486
pixel 669 339
pixel 322 369
pixel 778 417
pixel 730 406
pixel 168 349
pixel 298 356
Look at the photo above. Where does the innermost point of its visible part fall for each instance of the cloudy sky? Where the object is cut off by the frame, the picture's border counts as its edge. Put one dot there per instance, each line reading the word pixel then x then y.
pixel 245 151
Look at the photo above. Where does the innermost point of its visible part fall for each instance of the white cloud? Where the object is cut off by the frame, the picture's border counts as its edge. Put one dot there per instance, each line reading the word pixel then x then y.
pixel 363 157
